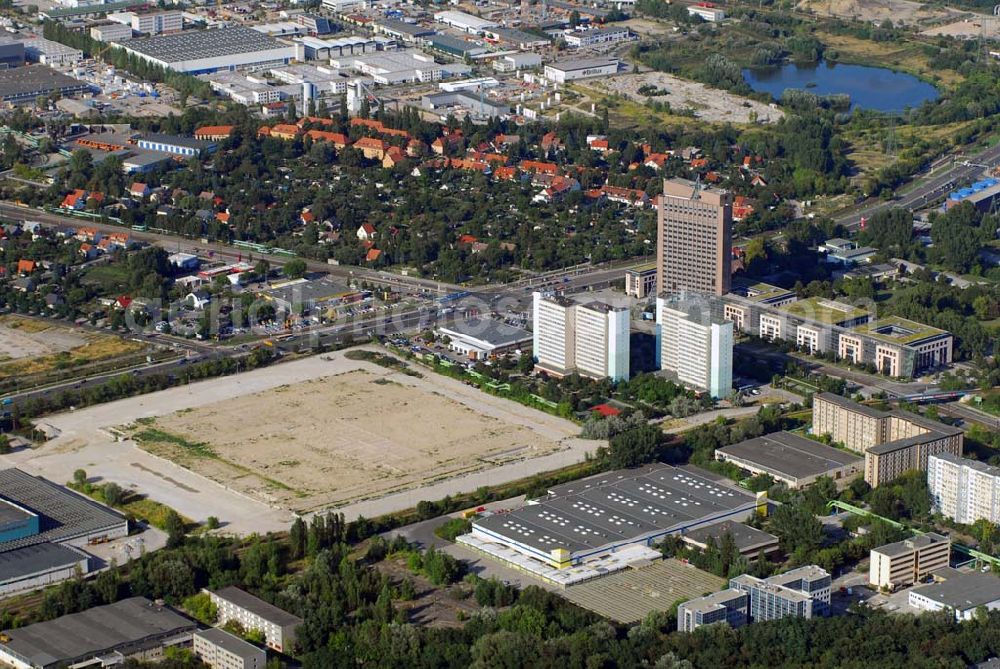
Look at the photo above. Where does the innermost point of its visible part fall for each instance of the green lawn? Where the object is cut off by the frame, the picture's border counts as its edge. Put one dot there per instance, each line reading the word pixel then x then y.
pixel 112 278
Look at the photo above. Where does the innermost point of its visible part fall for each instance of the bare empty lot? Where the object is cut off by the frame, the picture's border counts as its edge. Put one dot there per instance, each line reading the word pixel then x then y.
pixel 904 12
pixel 356 435
pixel 198 487
pixel 708 104
pixel 31 346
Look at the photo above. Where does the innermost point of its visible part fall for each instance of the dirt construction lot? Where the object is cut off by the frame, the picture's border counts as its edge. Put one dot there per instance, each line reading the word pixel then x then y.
pixel 356 435
pixel 708 104
pixel 30 346
pixel 91 439
pixel 900 12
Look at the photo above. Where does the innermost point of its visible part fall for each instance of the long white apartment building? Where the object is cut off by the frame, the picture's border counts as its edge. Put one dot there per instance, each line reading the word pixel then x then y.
pixel 591 339
pixel 695 347
pixel 253 613
pixel 962 489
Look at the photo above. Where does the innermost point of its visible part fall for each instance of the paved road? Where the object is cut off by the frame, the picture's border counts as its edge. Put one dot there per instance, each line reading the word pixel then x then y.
pixel 929 187
pixel 969 415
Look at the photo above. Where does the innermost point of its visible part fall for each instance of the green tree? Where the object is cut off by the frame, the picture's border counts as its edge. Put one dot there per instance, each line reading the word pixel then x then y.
pixel 113 494
pixel 295 269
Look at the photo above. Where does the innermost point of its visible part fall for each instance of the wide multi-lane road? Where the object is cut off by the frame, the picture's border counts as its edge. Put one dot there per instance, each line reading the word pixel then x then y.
pixel 930 186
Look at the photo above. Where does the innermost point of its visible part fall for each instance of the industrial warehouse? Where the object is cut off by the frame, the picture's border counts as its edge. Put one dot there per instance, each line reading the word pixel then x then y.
pixel 101 636
pixel 791 459
pixel 604 523
pixel 42 526
pixel 204 51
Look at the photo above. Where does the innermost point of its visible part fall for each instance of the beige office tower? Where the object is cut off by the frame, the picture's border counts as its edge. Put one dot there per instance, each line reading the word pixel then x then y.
pixel 694 245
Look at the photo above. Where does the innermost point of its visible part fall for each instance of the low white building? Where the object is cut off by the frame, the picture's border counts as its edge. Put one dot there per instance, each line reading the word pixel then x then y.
pixel 465 22
pixel 517 61
pixel 710 14
pixel 221 650
pixel 395 67
pixel 47 52
pixel 111 32
pixel 959 592
pixel 597 36
pixel 484 339
pixel 569 70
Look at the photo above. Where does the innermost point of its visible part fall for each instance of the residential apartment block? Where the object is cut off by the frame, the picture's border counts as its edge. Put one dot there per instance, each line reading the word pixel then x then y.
pixel 893 345
pixel 728 606
pixel 254 613
pixel 893 442
pixel 802 593
pixel 591 339
pixel 221 650
pixel 694 238
pixel 693 346
pixel 909 561
pixel 963 490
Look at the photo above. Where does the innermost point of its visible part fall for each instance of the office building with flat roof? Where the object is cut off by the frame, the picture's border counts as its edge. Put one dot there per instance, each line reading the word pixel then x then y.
pixel 963 490
pixel 694 247
pixel 729 606
pixel 909 561
pixel 795 461
pixel 895 346
pixel 893 442
pixel 596 36
pixel 610 512
pixel 221 650
pixel 801 593
pixel 158 23
pixel 591 339
pixel 133 628
pixel 254 613
pixel 641 281
pixel 694 346
pixel 960 592
pixel 111 32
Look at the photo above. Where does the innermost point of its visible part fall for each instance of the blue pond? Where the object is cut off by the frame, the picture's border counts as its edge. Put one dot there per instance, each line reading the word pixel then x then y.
pixel 869 87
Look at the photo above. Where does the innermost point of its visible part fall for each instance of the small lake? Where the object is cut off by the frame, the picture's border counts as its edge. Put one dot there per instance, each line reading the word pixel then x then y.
pixel 869 87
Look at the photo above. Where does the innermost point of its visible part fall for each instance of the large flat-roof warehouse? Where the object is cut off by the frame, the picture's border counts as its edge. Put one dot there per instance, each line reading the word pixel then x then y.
pixel 41 524
pixel 20 85
pixel 202 51
pixel 64 516
pixel 128 627
pixel 795 460
pixel 604 514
